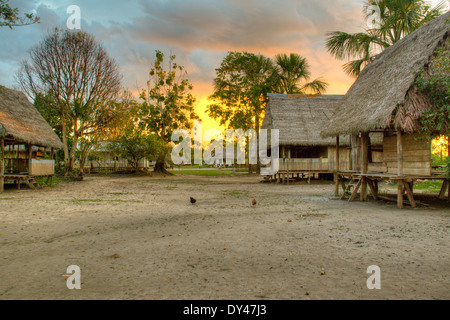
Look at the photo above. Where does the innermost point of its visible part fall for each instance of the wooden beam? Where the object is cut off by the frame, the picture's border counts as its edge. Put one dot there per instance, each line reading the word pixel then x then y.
pixel 399 152
pixel 350 153
pixel 337 154
pixel 409 194
pixel 29 148
pixel 355 192
pixel 443 189
pixel 400 189
pixel 336 175
pixel 341 181
pixel 2 163
pixel 364 163
pixel 400 192
pixel 373 190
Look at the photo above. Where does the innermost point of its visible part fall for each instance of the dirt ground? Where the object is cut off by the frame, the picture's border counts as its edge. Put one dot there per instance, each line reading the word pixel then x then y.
pixel 141 238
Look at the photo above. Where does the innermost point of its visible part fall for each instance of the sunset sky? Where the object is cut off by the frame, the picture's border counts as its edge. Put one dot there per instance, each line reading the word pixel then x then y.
pixel 198 32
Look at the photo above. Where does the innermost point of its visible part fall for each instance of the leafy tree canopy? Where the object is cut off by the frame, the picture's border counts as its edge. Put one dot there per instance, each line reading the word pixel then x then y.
pixel 10 17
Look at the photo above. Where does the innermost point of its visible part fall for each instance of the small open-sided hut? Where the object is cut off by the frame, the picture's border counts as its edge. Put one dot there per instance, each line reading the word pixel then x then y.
pixel 385 99
pixel 26 140
pixel 300 119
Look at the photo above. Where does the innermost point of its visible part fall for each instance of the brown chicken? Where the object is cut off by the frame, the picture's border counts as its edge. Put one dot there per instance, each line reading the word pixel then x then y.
pixel 254 202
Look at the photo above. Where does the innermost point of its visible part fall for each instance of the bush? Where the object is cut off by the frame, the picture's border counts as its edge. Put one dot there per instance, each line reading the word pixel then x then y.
pixel 434 81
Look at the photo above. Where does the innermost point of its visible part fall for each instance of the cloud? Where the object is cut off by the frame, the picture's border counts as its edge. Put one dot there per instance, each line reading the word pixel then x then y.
pixel 198 32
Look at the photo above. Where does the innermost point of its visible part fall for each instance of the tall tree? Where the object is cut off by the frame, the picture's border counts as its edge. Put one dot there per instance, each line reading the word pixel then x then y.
pixel 240 91
pixel 395 20
pixel 10 17
pixel 293 73
pixel 76 72
pixel 167 104
pixel 118 116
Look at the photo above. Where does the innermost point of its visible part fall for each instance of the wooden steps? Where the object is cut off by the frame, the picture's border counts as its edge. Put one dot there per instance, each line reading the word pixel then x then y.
pixel 352 189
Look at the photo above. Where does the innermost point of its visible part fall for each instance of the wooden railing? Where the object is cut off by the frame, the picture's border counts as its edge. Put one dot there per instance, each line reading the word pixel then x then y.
pixel 319 164
pixel 311 164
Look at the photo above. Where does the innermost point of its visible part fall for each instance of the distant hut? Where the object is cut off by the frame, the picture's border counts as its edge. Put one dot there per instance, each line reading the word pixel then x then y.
pixel 102 159
pixel 27 141
pixel 384 99
pixel 303 152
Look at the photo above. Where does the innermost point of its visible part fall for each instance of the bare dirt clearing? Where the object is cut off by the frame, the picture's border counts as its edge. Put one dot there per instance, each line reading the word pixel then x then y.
pixel 141 238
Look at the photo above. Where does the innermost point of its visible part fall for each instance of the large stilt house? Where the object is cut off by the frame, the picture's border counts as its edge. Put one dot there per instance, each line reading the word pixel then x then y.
pixel 385 99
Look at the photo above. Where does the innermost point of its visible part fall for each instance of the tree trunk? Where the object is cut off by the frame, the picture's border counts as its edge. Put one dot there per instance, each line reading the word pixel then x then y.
pixel 135 165
pixel 82 163
pixel 73 150
pixel 65 142
pixel 160 165
pixel 258 163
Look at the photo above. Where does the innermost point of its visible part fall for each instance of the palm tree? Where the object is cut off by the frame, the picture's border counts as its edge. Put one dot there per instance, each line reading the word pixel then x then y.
pixel 397 18
pixel 291 70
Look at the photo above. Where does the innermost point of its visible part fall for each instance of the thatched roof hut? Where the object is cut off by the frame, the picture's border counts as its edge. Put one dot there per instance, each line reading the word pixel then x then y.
pixel 20 121
pixel 384 94
pixel 300 119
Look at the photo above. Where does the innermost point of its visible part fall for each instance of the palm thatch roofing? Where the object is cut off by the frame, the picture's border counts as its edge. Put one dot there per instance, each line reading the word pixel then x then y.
pixel 21 121
pixel 384 94
pixel 300 118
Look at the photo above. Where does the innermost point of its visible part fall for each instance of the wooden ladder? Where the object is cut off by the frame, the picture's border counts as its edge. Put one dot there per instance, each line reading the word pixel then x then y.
pixel 354 184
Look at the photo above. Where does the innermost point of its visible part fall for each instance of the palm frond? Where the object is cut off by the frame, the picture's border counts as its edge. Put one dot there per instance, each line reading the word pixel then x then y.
pixel 354 67
pixel 317 86
pixel 345 46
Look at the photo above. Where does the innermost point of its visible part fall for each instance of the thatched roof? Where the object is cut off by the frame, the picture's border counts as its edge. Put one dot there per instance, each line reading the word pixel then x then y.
pixel 20 120
pixel 384 94
pixel 300 118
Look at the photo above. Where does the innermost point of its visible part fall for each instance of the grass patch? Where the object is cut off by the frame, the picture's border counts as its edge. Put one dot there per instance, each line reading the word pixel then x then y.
pixel 432 186
pixel 45 182
pixel 429 185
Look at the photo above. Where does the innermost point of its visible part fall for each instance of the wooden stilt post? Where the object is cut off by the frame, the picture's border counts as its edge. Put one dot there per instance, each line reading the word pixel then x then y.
pixel 350 153
pixel 54 166
pixel 2 163
pixel 29 157
pixel 400 189
pixel 372 188
pixel 400 192
pixel 409 194
pixel 336 175
pixel 448 193
pixel 448 155
pixel 399 153
pixel 445 185
pixel 364 163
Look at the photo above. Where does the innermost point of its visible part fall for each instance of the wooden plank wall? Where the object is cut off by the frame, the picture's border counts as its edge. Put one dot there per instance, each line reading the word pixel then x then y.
pixel 344 158
pixel 416 155
pixel 42 167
